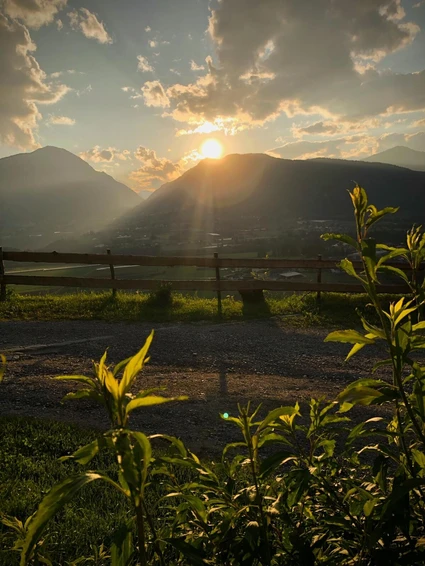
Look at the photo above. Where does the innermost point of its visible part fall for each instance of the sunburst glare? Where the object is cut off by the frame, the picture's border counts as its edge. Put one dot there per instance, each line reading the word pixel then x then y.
pixel 212 148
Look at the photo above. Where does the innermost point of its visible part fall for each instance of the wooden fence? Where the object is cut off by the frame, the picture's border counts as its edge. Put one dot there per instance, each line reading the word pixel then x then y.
pixel 218 284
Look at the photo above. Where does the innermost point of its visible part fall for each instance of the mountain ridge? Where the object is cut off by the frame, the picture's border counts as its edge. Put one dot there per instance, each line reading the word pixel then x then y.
pixel 52 189
pixel 401 156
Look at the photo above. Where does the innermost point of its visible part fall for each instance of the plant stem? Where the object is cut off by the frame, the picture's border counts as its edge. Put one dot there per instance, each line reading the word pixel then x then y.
pixel 141 535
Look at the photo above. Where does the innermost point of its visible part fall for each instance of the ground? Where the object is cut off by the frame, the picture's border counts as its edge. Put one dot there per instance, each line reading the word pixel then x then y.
pixel 215 365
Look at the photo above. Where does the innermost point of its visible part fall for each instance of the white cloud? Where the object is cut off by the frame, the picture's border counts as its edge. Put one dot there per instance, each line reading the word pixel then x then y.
pixel 153 43
pixel 350 147
pixel 281 56
pixel 143 65
pixel 33 13
pixel 148 29
pixel 61 121
pixel 23 87
pixel 89 25
pixel 59 24
pixel 154 95
pixel 195 67
pixel 154 170
pixel 106 155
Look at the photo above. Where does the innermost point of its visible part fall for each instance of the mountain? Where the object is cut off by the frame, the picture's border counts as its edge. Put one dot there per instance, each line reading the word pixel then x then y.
pixel 401 156
pixel 51 191
pixel 239 191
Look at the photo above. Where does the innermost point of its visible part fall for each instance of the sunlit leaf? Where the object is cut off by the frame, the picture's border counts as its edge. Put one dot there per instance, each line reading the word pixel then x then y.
pixel 151 400
pixel 348 337
pixel 134 366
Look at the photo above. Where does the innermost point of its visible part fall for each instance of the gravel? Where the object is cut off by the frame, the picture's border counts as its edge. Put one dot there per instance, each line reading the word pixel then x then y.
pixel 215 365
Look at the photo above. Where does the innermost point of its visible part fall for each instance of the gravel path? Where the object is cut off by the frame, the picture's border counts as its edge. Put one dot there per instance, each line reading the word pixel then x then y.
pixel 216 365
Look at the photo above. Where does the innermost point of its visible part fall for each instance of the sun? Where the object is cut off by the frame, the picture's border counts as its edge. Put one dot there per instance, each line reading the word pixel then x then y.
pixel 211 148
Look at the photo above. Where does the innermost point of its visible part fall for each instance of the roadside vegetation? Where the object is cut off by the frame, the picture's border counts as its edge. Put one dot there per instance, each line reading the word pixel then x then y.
pixel 301 487
pixel 295 309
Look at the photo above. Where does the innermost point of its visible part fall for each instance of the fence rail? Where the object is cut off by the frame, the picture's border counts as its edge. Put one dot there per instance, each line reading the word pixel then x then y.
pixel 217 285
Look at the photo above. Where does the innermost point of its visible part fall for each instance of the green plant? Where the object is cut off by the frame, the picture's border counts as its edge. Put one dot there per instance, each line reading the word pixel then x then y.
pixel 161 297
pixel 131 449
pixel 297 488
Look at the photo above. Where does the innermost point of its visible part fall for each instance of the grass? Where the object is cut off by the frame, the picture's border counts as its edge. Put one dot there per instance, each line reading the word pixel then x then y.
pixel 298 309
pixel 29 452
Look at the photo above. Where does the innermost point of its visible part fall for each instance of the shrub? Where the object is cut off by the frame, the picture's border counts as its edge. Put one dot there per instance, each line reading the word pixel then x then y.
pixel 296 489
pixel 161 297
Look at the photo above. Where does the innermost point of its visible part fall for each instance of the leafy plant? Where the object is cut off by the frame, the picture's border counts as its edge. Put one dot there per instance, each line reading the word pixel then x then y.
pixel 300 486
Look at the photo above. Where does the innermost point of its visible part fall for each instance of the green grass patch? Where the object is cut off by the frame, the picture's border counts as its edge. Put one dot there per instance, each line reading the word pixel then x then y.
pixel 29 452
pixel 298 309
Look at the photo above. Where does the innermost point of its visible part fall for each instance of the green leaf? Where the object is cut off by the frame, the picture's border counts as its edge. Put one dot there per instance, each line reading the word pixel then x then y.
pixel 120 366
pixel 347 266
pixel 133 367
pixel 419 457
pixel 369 506
pixel 369 257
pixel 151 400
pixel 341 238
pixel 271 463
pixel 395 270
pixel 79 378
pixel 146 447
pixel 84 454
pixel 84 394
pixel 376 215
pixel 57 497
pixel 418 326
pixel 274 415
pixel 348 337
pixel 357 347
pixel 195 556
pixel 363 395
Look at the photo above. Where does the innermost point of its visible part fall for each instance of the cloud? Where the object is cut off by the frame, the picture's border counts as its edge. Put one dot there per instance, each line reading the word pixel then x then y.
pixel 419 123
pixel 336 127
pixel 153 43
pixel 143 65
pixel 106 155
pixel 23 87
pixel 154 170
pixel 195 67
pixel 89 25
pixel 58 74
pixel 154 95
pixel 350 147
pixel 61 121
pixel 148 29
pixel 281 56
pixel 59 24
pixel 33 13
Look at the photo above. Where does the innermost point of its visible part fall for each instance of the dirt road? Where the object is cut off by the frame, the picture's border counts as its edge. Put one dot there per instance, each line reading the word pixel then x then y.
pixel 216 365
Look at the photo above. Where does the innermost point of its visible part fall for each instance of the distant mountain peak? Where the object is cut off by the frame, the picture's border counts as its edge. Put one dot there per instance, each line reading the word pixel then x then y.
pixel 402 156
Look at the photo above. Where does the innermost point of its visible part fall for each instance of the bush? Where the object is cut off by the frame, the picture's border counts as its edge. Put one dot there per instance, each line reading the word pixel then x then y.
pixel 296 489
pixel 161 297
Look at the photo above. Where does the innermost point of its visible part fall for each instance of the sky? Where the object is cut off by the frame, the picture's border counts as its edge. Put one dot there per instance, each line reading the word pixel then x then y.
pixel 135 87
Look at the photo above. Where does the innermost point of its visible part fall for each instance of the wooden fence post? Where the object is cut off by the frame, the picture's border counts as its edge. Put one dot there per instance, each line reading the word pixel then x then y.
pixel 2 285
pixel 217 278
pixel 112 270
pixel 319 280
